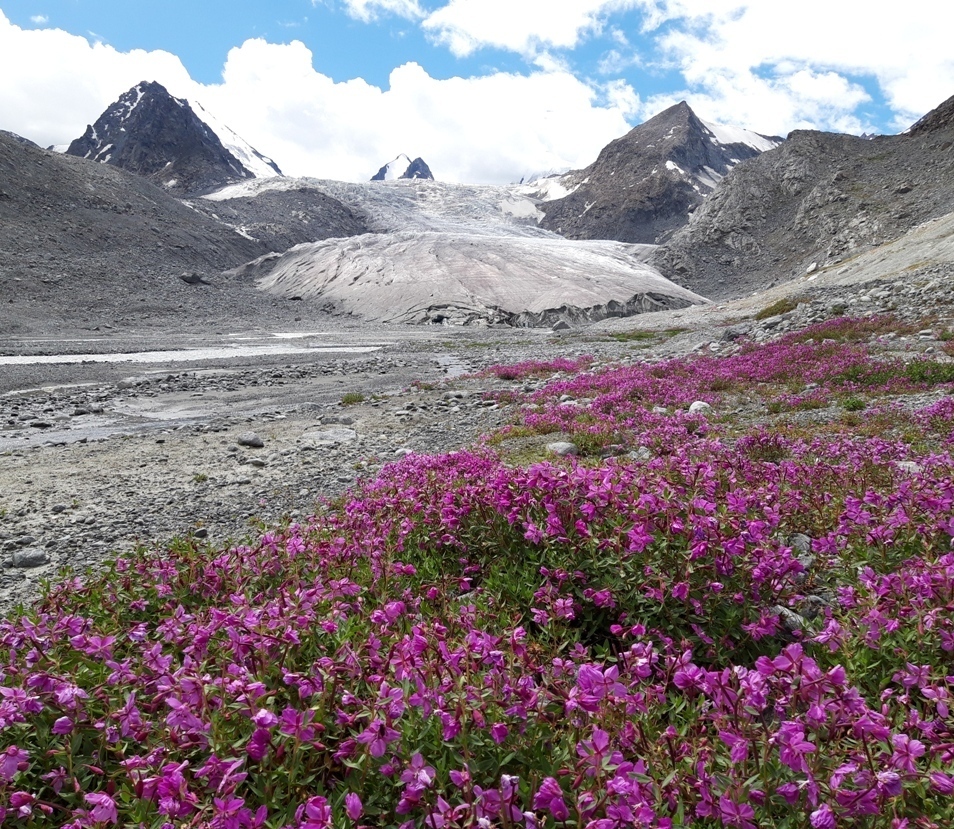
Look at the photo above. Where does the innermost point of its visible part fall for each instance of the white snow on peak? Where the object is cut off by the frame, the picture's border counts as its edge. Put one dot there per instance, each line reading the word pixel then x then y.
pixel 393 170
pixel 671 165
pixel 256 164
pixel 736 135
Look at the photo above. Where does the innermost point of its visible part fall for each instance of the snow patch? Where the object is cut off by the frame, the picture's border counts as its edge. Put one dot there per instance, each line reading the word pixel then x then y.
pixel 521 209
pixel 252 160
pixel 722 134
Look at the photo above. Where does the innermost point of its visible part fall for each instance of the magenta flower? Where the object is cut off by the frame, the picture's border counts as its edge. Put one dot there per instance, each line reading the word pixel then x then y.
pixel 906 752
pixel 737 815
pixel 594 752
pixel 63 725
pixel 23 803
pixel 823 817
pixel 377 736
pixel 942 783
pixel 12 760
pixel 104 808
pixel 549 797
pixel 257 747
pixel 264 718
pixel 353 806
pixel 499 732
pixel 315 814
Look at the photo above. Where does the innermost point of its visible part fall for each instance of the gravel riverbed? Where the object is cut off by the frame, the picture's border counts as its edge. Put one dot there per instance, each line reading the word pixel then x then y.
pixel 99 457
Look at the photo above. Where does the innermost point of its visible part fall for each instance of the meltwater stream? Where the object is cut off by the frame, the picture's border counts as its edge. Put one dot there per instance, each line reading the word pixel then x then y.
pixel 185 355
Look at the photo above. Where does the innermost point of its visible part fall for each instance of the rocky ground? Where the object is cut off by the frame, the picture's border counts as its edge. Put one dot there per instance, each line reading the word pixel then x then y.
pixel 99 457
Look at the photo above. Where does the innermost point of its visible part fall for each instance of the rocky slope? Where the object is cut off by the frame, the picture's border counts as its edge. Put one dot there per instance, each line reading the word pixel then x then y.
pixel 645 185
pixel 152 134
pixel 86 245
pixel 814 201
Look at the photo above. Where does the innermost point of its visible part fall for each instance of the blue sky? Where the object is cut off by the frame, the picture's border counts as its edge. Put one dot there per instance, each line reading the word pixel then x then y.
pixel 485 90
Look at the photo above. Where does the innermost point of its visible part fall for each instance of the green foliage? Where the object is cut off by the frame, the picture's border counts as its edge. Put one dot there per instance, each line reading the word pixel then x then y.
pixel 352 398
pixel 782 306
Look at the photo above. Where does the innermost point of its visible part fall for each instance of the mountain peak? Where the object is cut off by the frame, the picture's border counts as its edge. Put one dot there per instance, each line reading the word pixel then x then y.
pixel 939 118
pixel 644 185
pixel 188 151
pixel 403 168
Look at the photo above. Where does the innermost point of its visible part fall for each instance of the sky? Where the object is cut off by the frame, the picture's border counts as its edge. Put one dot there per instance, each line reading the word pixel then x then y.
pixel 486 91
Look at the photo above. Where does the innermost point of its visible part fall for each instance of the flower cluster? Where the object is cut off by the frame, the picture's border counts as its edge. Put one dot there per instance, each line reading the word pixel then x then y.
pixel 743 633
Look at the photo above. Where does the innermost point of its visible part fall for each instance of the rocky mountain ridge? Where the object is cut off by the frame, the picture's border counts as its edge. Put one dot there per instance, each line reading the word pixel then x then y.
pixel 645 185
pixel 162 138
pixel 813 202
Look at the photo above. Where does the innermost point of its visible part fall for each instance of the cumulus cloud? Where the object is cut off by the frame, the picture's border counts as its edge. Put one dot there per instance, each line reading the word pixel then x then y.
pixel 63 82
pixel 524 26
pixel 488 129
pixel 39 19
pixel 777 66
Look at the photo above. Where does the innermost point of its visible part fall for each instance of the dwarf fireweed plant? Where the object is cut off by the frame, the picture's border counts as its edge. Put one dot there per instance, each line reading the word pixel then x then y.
pixel 754 631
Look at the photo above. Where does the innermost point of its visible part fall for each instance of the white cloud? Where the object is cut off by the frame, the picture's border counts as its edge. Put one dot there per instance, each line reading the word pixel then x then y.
pixel 486 129
pixel 39 19
pixel 63 82
pixel 493 128
pixel 367 10
pixel 776 66
pixel 523 26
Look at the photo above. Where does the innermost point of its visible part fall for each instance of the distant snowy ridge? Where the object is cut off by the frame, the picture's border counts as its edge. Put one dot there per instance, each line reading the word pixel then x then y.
pixel 403 168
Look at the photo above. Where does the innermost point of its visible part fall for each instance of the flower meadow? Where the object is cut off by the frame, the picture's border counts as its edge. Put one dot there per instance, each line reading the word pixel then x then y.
pixel 749 625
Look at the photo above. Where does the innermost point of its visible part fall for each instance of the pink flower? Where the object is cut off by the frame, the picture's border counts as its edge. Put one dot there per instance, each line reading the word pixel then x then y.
pixel 264 718
pixel 316 813
pixel 63 725
pixel 942 783
pixel 738 815
pixel 823 817
pixel 549 797
pixel 906 752
pixel 499 732
pixel 353 806
pixel 12 760
pixel 104 808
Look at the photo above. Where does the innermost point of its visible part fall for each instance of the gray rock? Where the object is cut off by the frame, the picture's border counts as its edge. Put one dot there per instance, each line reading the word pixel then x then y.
pixel 910 467
pixel 789 619
pixel 800 542
pixel 250 439
pixel 563 448
pixel 700 407
pixel 30 557
pixel 642 453
pixel 329 437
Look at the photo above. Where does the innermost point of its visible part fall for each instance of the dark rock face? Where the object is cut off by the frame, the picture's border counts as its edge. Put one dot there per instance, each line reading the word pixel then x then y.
pixel 152 134
pixel 403 168
pixel 80 240
pixel 19 138
pixel 644 186
pixel 815 200
pixel 419 169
